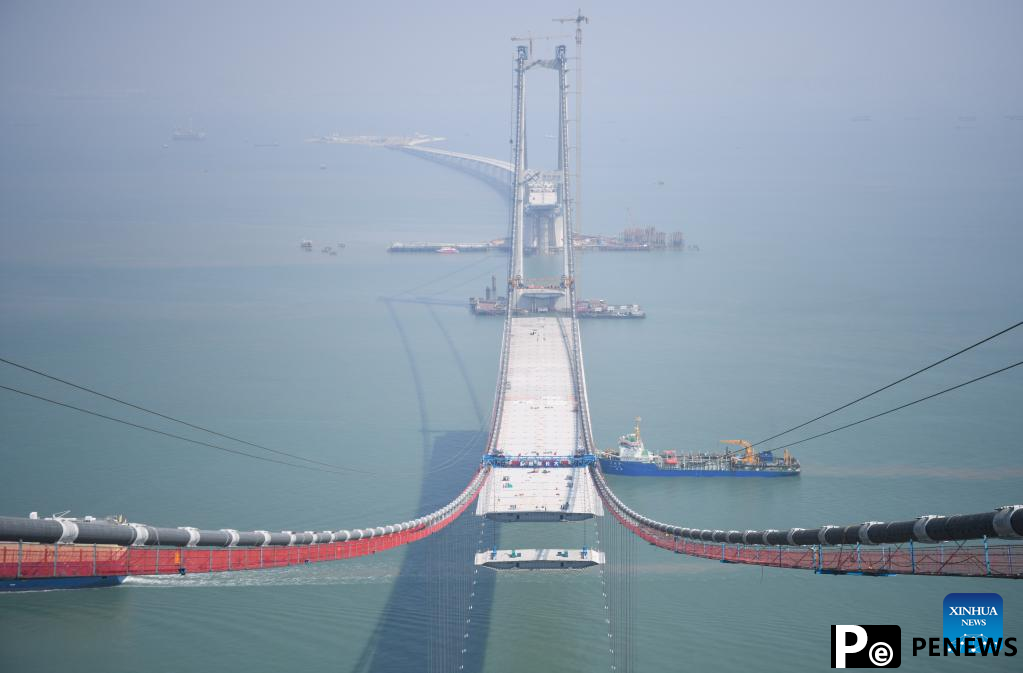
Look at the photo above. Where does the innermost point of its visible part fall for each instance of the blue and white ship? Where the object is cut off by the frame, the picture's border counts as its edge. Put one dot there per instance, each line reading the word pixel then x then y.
pixel 631 459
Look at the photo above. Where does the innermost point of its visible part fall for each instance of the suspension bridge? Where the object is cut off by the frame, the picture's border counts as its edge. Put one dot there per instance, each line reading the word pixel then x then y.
pixel 540 460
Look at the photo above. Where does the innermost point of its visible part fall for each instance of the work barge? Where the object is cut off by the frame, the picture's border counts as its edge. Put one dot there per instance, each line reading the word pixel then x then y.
pixel 492 304
pixel 630 240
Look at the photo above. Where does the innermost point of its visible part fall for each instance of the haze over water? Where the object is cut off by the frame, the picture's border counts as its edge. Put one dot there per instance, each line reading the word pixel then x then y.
pixel 836 256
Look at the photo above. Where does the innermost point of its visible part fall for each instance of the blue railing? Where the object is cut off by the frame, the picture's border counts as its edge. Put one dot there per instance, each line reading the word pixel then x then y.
pixel 539 461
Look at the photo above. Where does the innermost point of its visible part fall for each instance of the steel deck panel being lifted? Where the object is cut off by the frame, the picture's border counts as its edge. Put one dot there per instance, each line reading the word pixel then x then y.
pixel 539 559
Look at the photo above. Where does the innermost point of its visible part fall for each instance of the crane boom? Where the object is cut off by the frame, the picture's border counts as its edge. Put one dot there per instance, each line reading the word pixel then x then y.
pixel 750 456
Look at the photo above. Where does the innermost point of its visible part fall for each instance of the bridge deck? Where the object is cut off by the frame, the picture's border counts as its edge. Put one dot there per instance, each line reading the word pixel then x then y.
pixel 541 413
pixel 462 156
pixel 539 494
pixel 539 420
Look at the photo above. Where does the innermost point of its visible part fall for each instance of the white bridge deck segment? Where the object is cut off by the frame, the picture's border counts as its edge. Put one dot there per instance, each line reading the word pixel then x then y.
pixel 539 494
pixel 539 559
pixel 541 414
pixel 539 427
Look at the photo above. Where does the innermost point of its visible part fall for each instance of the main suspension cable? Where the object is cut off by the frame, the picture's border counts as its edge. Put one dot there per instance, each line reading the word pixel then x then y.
pixel 903 406
pixel 179 437
pixel 893 383
pixel 165 416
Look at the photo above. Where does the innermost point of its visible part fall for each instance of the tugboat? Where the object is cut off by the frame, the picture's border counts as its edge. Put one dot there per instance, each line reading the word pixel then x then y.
pixel 631 459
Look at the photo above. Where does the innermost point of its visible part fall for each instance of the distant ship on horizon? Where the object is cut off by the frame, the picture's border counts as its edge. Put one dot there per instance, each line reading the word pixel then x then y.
pixel 188 133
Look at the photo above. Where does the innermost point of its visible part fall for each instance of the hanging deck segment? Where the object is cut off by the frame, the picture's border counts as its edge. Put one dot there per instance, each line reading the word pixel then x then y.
pixel 539 559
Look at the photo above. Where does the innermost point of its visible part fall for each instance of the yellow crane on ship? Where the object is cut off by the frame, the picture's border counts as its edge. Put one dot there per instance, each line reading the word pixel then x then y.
pixel 751 457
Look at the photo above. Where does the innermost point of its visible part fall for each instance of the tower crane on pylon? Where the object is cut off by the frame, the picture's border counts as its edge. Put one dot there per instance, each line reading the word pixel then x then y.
pixel 578 20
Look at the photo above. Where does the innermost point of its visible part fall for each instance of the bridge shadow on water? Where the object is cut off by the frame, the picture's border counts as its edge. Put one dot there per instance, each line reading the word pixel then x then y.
pixel 437 618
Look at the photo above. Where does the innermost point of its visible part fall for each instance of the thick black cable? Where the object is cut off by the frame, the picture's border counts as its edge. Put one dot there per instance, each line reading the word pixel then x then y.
pixel 174 436
pixel 908 404
pixel 893 383
pixel 170 418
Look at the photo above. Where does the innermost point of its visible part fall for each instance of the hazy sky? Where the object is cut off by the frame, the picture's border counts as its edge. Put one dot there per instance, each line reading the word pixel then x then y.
pixel 312 67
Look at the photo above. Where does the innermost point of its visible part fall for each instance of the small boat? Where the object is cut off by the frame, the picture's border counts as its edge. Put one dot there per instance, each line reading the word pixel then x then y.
pixel 306 245
pixel 448 250
pixel 52 583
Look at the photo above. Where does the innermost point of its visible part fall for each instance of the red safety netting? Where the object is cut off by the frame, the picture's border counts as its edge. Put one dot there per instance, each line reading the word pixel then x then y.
pixel 76 560
pixel 949 558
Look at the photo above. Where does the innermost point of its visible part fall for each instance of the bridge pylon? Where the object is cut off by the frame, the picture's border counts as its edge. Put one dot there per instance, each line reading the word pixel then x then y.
pixel 540 450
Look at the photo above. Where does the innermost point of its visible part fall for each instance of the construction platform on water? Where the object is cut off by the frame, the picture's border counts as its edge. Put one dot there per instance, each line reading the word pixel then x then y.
pixel 493 305
pixel 587 308
pixel 630 240
pixel 449 248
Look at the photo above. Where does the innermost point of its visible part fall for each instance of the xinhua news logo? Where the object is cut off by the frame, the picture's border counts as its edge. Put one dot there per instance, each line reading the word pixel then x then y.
pixel 973 618
pixel 971 626
pixel 866 646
